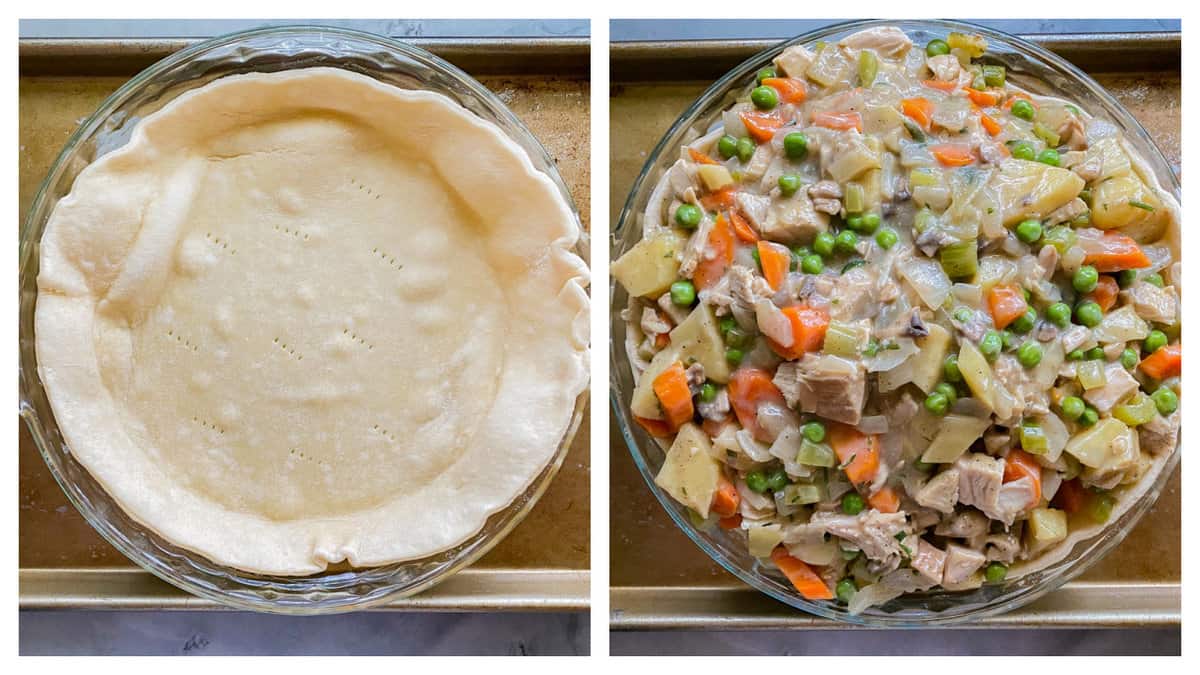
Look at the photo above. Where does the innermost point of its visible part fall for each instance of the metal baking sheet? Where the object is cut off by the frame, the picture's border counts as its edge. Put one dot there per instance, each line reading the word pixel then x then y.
pixel 541 565
pixel 659 578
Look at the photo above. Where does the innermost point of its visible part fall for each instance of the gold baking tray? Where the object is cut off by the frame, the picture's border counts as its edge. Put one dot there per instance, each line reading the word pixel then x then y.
pixel 660 579
pixel 541 565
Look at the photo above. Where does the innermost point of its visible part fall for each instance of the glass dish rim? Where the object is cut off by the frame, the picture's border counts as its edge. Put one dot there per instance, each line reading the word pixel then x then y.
pixel 1093 549
pixel 466 552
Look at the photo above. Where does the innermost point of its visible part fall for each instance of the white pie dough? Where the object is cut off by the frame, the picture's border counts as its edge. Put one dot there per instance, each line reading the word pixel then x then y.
pixel 307 317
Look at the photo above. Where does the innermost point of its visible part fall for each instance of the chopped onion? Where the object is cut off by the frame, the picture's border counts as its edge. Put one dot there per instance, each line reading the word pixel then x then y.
pixel 928 279
pixel 873 424
pixel 773 419
pixel 869 596
pixel 968 294
pixel 756 451
pixel 886 359
pixel 1056 434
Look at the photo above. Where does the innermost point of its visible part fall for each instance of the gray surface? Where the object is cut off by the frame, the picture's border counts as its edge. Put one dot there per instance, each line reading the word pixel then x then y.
pixel 202 28
pixel 901 643
pixel 364 633
pixel 623 30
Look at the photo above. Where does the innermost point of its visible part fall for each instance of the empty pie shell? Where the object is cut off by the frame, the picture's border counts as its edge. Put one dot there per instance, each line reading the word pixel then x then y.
pixel 307 317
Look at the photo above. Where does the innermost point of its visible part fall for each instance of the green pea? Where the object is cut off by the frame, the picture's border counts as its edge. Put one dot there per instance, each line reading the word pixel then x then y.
pixel 777 479
pixel 1030 354
pixel 872 349
pixel 1085 280
pixel 683 293
pixel 708 393
pixel 1023 109
pixel 852 504
pixel 1089 314
pixel 996 571
pixel 1008 340
pixel 1129 359
pixel 845 591
pixel 813 431
pixel 1029 231
pixel 801 251
pixel 727 324
pixel 788 184
pixel 823 244
pixel 1126 278
pixel 812 264
pixel 1049 156
pixel 963 314
pixel 795 145
pixel 738 338
pixel 757 481
pixel 1059 314
pixel 937 48
pixel 745 149
pixel 1072 407
pixel 1024 150
pixel 1024 323
pixel 688 215
pixel 948 390
pixel 764 74
pixel 937 403
pixel 950 371
pixel 1089 417
pixel 764 98
pixel 757 257
pixel 855 222
pixel 1154 341
pixel 1154 279
pixel 1095 354
pixel 870 222
pixel 1076 355
pixel 846 241
pixel 734 356
pixel 1165 400
pixel 886 238
pixel 990 345
pixel 727 146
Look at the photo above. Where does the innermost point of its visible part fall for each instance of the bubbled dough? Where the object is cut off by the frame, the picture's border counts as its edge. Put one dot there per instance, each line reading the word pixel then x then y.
pixel 303 323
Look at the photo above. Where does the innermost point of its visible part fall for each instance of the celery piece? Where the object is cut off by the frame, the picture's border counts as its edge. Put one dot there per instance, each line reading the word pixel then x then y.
pixel 815 454
pixel 1060 237
pixel 1138 410
pixel 993 76
pixel 1100 506
pixel 843 339
pixel 856 198
pixel 959 260
pixel 922 219
pixel 921 176
pixel 1033 439
pixel 1049 137
pixel 799 493
pixel 868 67
pixel 1091 374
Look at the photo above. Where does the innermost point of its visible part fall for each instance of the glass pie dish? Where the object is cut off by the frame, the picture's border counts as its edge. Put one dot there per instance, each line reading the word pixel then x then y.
pixel 1029 67
pixel 342 587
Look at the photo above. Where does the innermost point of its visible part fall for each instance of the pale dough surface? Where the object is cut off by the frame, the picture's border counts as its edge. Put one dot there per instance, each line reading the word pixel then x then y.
pixel 307 317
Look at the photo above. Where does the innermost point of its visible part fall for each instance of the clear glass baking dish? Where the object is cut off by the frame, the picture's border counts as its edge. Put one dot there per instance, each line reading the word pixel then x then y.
pixel 266 50
pixel 1028 66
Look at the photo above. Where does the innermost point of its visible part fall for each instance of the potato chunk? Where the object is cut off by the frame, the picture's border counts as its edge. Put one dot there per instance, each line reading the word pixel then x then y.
pixel 1126 204
pixel 644 403
pixel 699 337
pixel 651 266
pixel 1027 189
pixel 690 473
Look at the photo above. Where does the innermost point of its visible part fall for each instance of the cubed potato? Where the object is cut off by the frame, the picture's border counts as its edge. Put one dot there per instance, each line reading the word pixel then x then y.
pixel 763 539
pixel 957 433
pixel 1027 189
pixel 1045 528
pixel 651 266
pixel 1093 447
pixel 714 176
pixel 690 473
pixel 1113 207
pixel 926 367
pixel 644 402
pixel 698 337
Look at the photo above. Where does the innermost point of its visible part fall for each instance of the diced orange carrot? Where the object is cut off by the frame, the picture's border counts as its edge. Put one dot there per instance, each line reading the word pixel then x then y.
pixel 720 245
pixel 985 99
pixel 1070 497
pixel 1015 96
pixel 840 121
pixel 731 523
pixel 775 259
pixel 656 428
pixel 1115 252
pixel 742 228
pixel 807 582
pixel 808 331
pixel 720 200
pixel 1006 304
pixel 940 85
pixel 791 90
pixel 726 499
pixel 714 427
pixel 1105 293
pixel 749 388
pixel 920 109
pixel 671 388
pixel 1164 362
pixel 952 154
pixel 762 126
pixel 857 452
pixel 885 500
pixel 700 157
pixel 990 125
pixel 662 340
pixel 1020 464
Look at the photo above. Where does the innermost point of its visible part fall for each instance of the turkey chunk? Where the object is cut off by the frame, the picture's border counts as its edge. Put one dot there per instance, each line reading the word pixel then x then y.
pixel 830 386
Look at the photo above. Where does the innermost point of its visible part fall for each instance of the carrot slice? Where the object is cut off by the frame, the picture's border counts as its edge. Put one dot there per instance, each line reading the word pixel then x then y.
pixel 940 85
pixel 1116 252
pixel 981 98
pixel 720 200
pixel 700 157
pixel 1006 304
pixel 1070 496
pixel 656 428
pixel 990 125
pixel 762 126
pixel 857 452
pixel 742 228
pixel 720 245
pixel 749 388
pixel 952 154
pixel 731 523
pixel 809 325
pixel 920 109
pixel 885 501
pixel 671 388
pixel 839 121
pixel 1020 464
pixel 803 578
pixel 662 340
pixel 775 260
pixel 790 89
pixel 726 499
pixel 1105 293
pixel 1164 362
